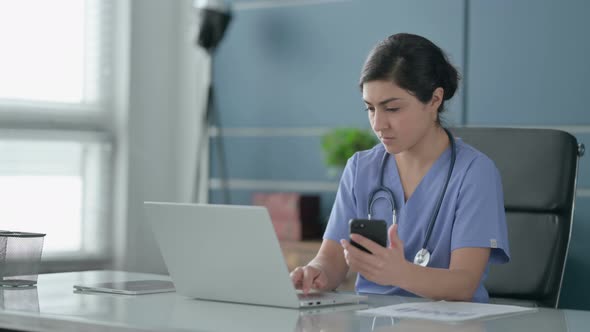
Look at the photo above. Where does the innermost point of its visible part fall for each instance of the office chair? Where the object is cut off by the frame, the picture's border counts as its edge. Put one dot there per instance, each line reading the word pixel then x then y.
pixel 539 170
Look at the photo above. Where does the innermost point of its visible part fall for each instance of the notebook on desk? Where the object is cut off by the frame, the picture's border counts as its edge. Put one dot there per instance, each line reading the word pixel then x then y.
pixel 228 253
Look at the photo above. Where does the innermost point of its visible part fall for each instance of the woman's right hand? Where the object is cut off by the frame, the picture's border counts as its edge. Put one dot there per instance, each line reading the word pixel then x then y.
pixel 308 277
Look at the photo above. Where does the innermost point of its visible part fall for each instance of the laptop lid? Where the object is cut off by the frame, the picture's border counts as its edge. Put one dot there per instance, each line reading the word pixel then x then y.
pixel 222 252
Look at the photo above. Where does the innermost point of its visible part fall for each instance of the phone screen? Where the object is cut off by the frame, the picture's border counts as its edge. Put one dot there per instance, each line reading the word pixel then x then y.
pixel 374 230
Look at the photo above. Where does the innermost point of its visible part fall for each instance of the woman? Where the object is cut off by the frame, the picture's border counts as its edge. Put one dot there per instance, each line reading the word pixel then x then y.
pixel 405 82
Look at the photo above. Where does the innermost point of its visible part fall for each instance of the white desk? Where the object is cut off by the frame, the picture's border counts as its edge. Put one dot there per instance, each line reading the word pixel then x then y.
pixel 54 306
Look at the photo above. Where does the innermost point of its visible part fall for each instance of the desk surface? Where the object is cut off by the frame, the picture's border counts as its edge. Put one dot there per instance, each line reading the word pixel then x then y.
pixel 54 306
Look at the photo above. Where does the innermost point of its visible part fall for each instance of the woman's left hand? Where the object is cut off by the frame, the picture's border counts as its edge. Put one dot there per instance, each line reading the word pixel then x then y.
pixel 385 266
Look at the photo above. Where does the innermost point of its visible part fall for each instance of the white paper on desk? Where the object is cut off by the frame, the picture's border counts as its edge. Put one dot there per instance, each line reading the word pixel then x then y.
pixel 445 311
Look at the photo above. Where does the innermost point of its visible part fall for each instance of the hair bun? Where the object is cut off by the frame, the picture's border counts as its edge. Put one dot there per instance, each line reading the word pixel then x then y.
pixel 449 80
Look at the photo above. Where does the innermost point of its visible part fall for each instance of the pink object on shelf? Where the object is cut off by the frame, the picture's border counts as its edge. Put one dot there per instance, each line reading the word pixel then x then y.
pixel 294 216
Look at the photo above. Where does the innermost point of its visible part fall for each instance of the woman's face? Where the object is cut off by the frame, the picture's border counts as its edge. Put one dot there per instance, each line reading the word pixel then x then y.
pixel 398 118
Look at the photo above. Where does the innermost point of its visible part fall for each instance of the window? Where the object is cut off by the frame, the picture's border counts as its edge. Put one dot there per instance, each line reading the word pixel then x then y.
pixel 56 110
pixel 51 50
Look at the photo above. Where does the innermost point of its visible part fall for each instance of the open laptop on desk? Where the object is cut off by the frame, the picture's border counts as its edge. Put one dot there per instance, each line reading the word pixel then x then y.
pixel 228 253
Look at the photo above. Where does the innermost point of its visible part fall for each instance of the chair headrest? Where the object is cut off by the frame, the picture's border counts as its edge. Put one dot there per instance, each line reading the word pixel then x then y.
pixel 528 161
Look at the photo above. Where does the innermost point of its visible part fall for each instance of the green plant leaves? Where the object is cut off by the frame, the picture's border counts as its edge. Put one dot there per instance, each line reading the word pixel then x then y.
pixel 341 143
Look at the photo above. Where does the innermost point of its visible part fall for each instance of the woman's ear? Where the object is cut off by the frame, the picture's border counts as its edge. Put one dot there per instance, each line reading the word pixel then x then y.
pixel 437 98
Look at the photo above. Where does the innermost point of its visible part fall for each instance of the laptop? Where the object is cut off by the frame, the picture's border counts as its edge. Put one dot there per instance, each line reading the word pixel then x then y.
pixel 229 253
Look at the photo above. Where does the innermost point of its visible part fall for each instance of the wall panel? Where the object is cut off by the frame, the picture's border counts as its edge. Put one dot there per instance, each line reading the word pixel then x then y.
pixel 528 62
pixel 299 66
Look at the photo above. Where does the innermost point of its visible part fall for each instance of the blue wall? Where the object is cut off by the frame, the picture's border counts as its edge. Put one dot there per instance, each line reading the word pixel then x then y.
pixel 284 75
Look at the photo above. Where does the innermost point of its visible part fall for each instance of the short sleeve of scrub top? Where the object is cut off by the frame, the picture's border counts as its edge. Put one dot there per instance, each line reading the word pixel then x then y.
pixel 471 214
pixel 344 207
pixel 478 211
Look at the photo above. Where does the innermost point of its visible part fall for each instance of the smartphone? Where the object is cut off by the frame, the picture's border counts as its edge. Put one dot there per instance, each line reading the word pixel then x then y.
pixel 374 230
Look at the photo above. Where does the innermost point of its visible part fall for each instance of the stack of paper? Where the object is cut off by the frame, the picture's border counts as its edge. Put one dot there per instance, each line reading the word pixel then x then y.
pixel 445 311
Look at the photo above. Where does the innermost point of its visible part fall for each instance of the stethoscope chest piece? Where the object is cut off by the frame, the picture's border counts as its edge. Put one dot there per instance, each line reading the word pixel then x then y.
pixel 422 257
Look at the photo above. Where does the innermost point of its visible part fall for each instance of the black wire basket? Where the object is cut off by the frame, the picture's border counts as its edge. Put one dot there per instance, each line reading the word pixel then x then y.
pixel 20 258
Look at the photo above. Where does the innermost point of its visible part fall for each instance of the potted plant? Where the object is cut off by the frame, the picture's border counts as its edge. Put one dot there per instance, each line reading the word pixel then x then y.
pixel 339 144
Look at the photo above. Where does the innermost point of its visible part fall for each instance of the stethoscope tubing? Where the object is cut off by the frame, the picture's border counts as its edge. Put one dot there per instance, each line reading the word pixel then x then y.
pixel 443 191
pixel 390 196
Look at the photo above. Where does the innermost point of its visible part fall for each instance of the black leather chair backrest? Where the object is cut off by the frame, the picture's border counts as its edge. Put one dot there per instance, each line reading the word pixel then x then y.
pixel 538 169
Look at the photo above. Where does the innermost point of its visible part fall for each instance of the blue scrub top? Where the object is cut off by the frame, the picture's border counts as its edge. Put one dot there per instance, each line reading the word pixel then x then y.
pixel 471 214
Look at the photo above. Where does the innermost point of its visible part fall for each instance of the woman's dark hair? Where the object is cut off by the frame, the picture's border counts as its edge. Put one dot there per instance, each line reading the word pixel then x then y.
pixel 413 63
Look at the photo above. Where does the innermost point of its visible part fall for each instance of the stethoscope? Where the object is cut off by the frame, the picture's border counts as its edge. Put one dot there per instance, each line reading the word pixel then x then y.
pixel 422 257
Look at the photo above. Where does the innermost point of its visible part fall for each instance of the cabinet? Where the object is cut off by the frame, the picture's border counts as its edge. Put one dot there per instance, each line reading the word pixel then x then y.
pixel 299 253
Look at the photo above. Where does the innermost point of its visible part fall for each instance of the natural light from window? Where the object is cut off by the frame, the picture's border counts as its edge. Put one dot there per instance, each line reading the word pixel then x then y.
pixel 42 190
pixel 44 204
pixel 56 65
pixel 43 51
